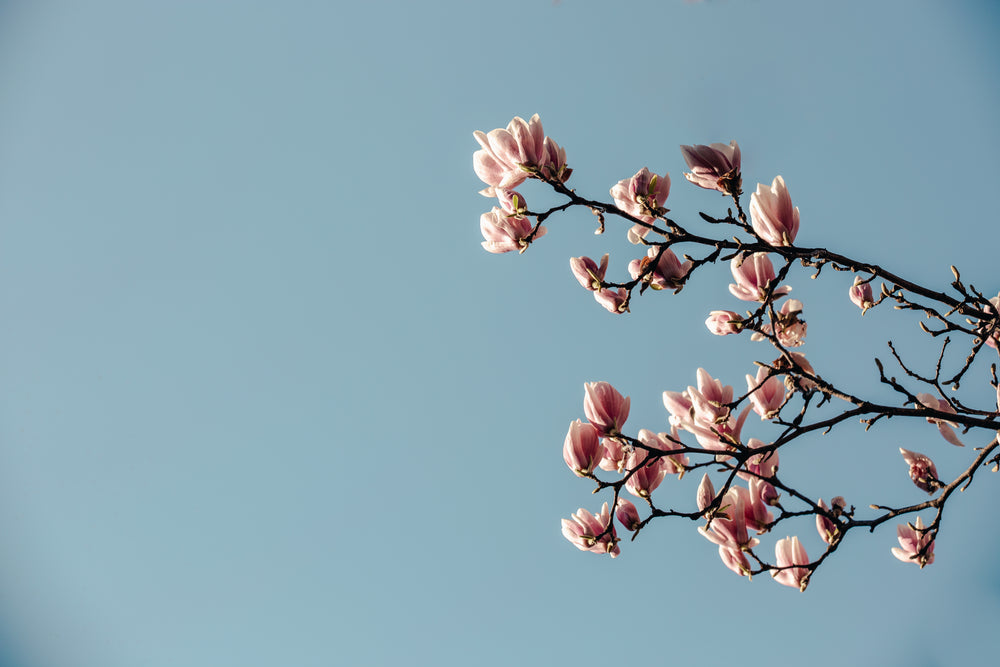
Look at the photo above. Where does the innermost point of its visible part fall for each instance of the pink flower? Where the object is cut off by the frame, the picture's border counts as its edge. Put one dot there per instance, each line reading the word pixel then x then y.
pixel 946 428
pixel 761 465
pixel 714 167
pixel 583 528
pixel 615 455
pixel 669 272
pixel 706 493
pixel 772 215
pixel 709 401
pixel 753 274
pixel 913 540
pixel 922 471
pixel 504 233
pixel 728 528
pixel 768 395
pixel 724 322
pixel 508 157
pixel 587 272
pixel 800 364
pixel 582 450
pixel 789 553
pixel 828 530
pixel 791 331
pixel 672 465
pixel 755 511
pixel 991 341
pixel 642 197
pixel 861 295
pixel 614 301
pixel 512 203
pixel 649 472
pixel 735 561
pixel 605 408
pixel 627 514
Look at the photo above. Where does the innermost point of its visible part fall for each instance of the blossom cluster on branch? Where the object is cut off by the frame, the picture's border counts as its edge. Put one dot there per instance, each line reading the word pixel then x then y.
pixel 741 491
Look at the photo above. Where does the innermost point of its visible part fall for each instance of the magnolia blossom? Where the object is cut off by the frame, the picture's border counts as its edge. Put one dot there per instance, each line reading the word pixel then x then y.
pixel 923 472
pixel 649 471
pixel 728 528
pixel 993 308
pixel 828 530
pixel 605 408
pixel 512 203
pixel 642 197
pixel 505 233
pixel 861 295
pixel 627 514
pixel 614 301
pixel 753 274
pixel 706 493
pixel 615 455
pixel 509 156
pixel 772 215
pixel 668 271
pixel 787 553
pixel 790 330
pixel 735 560
pixel 587 271
pixel 767 393
pixel 675 464
pixel 583 528
pixel 800 364
pixel 711 423
pixel 582 450
pixel 755 511
pixel 913 539
pixel 714 167
pixel 946 428
pixel 724 322
pixel 763 465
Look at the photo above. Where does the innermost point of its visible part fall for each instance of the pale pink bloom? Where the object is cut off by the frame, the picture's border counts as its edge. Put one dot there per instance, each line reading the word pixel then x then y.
pixel 582 450
pixel 923 472
pixel 709 399
pixel 752 275
pixel 512 203
pixel 791 331
pixel 764 464
pixel 509 156
pixel 672 465
pixel 945 427
pixel 772 215
pixel 735 561
pixel 789 552
pixel 724 322
pixel 768 494
pixel 605 408
pixel 627 514
pixel 649 472
pixel 768 394
pixel 861 295
pixel 718 435
pixel 615 455
pixel 669 271
pixel 587 272
pixel 642 197
pixel 755 511
pixel 614 301
pixel 706 493
pixel 912 540
pixel 679 407
pixel 714 167
pixel 583 528
pixel 801 364
pixel 828 530
pixel 728 527
pixel 504 233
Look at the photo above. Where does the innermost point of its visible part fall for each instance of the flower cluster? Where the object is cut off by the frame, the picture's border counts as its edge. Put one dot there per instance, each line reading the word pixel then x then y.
pixel 743 504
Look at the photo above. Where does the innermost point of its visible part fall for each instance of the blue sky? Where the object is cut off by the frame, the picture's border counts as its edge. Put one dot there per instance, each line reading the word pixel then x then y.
pixel 265 400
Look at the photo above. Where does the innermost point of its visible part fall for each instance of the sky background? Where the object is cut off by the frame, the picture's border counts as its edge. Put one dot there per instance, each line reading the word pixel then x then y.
pixel 265 400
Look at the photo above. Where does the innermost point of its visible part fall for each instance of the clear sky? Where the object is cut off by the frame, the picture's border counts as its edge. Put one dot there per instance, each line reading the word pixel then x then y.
pixel 264 400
